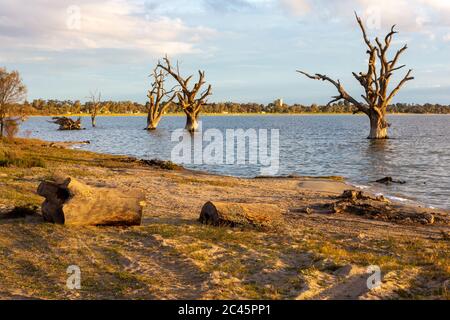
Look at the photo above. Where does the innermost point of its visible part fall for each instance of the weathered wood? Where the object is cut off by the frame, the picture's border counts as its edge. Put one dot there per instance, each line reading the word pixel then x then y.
pixel 95 106
pixel 156 106
pixel 191 122
pixel 389 180
pixel 379 208
pixel 66 144
pixel 239 214
pixel 67 123
pixel 190 99
pixel 375 83
pixel 70 202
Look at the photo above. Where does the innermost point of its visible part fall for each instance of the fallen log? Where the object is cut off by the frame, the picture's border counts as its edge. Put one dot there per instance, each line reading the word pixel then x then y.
pixel 354 195
pixel 240 214
pixel 389 180
pixel 21 212
pixel 379 208
pixel 70 202
pixel 67 123
pixel 66 144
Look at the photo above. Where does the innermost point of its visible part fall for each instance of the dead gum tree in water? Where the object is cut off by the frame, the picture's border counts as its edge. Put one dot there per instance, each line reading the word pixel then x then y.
pixel 192 99
pixel 156 106
pixel 375 82
pixel 95 106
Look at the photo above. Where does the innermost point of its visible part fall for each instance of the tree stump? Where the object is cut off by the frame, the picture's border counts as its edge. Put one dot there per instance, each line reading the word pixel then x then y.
pixel 70 202
pixel 240 214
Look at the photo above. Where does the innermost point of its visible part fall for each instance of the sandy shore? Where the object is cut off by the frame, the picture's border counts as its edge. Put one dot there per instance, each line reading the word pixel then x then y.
pixel 316 254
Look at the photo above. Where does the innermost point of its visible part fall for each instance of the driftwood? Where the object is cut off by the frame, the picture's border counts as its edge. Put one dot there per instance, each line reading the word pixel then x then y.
pixel 66 144
pixel 70 202
pixel 12 212
pixel 67 123
pixel 376 207
pixel 389 180
pixel 240 214
pixel 380 208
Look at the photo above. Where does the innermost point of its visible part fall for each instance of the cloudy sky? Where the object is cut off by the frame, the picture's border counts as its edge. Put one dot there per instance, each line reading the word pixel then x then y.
pixel 249 49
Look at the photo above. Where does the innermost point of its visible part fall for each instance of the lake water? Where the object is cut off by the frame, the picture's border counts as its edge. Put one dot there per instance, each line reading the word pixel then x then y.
pixel 418 151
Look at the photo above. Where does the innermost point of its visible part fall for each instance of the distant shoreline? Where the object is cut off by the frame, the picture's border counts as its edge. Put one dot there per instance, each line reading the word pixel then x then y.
pixel 233 114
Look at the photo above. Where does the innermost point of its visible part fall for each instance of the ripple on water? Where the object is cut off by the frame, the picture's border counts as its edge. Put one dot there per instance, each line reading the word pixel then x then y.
pixel 323 145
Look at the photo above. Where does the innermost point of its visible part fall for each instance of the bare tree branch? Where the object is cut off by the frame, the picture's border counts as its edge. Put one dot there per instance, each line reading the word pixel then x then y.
pixel 156 106
pixel 343 94
pixel 361 25
pixel 190 99
pixel 375 81
pixel 400 85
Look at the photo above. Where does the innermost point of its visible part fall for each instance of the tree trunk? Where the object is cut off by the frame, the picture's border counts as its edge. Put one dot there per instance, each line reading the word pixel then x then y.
pixel 94 122
pixel 238 214
pixel 70 202
pixel 67 123
pixel 152 124
pixel 378 127
pixel 191 122
pixel 2 125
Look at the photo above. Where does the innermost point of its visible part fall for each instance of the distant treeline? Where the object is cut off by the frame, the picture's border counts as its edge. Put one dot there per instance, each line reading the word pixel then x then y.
pixel 56 107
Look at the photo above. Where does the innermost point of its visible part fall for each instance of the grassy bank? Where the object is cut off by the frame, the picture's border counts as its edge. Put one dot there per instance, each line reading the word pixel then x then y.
pixel 172 256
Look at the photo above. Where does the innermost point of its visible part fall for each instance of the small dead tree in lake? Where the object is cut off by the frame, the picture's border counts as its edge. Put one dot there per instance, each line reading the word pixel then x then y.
pixel 191 100
pixel 375 82
pixel 156 106
pixel 67 123
pixel 94 106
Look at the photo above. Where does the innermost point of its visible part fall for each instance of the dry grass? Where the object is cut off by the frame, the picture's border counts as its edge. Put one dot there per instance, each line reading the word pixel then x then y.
pixel 172 256
pixel 14 158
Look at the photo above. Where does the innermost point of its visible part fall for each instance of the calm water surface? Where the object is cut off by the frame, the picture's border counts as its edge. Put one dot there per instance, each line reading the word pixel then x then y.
pixel 418 151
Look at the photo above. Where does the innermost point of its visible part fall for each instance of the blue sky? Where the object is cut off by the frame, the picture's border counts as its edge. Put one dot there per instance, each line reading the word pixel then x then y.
pixel 249 49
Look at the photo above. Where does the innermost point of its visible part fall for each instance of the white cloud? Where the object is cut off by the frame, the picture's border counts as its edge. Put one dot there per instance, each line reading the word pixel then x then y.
pixel 296 7
pixel 420 16
pixel 408 13
pixel 99 24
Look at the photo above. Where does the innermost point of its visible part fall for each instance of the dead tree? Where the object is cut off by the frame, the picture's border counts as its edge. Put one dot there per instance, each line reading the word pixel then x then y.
pixel 191 100
pixel 156 106
pixel 67 123
pixel 94 106
pixel 375 82
pixel 12 91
